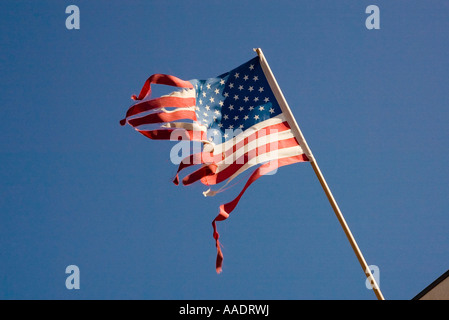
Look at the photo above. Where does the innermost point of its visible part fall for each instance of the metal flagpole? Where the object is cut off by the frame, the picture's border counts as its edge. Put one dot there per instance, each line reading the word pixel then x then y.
pixel 298 134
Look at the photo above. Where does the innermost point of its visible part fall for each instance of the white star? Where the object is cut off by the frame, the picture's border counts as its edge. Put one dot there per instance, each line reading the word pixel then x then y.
pixel 217 91
pixel 204 94
pixel 201 101
pixel 241 126
pixel 220 125
pixel 245 77
pixel 221 103
pixel 222 81
pixel 251 108
pixel 217 112
pixel 231 85
pixel 246 99
pixel 231 126
pixel 255 78
pixel 266 99
pixel 231 107
pixel 256 117
pixel 225 135
pixel 241 109
pixel 236 97
pixel 251 67
pixel 226 117
pixel 207 108
pixel 256 99
pixel 211 99
pixel 236 118
pixel 205 114
pixel 226 94
pixel 271 110
pixel 236 75
pixel 251 88
pixel 208 86
pixel 261 108
pixel 260 89
pixel 245 117
pixel 240 87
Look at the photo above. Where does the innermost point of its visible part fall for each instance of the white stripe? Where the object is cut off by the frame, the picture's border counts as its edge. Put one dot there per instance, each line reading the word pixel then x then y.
pixel 159 110
pixel 183 93
pixel 192 126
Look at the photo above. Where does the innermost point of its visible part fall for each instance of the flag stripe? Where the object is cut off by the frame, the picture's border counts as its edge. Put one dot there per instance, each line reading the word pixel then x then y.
pixel 168 134
pixel 163 117
pixel 194 159
pixel 167 101
pixel 262 170
pixel 192 126
pixel 226 209
pixel 161 79
pixel 159 110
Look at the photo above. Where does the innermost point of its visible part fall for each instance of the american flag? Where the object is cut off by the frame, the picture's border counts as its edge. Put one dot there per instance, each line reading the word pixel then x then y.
pixel 237 118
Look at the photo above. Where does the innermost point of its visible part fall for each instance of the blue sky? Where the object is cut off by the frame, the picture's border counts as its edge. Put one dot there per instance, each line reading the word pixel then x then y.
pixel 78 189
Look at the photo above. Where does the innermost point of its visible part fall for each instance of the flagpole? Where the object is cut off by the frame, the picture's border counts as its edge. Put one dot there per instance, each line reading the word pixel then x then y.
pixel 298 134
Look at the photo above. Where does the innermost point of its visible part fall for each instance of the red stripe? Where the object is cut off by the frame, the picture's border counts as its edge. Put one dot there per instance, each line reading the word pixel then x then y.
pixel 161 79
pixel 194 159
pixel 262 170
pixel 186 162
pixel 161 102
pixel 199 174
pixel 226 209
pixel 165 134
pixel 163 117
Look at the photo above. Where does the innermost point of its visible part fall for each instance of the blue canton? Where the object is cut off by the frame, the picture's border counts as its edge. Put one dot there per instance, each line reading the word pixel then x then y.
pixel 235 100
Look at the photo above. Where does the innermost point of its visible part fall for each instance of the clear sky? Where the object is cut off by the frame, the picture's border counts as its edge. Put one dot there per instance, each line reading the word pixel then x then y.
pixel 78 189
